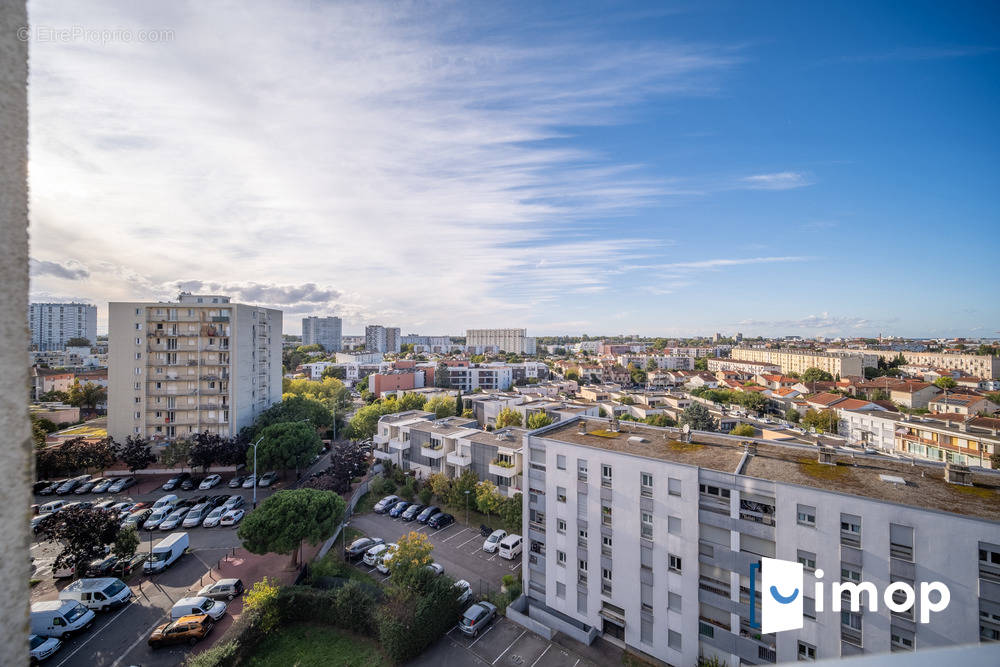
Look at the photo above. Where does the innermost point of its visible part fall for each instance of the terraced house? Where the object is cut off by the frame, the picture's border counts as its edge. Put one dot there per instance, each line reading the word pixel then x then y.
pixel 648 540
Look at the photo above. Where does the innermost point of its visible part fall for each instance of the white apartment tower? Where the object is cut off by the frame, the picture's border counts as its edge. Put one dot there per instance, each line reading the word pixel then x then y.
pixel 648 540
pixel 382 339
pixel 53 324
pixel 198 364
pixel 514 341
pixel 325 331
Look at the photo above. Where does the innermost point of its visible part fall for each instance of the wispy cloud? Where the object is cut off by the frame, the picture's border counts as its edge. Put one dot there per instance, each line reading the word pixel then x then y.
pixel 68 270
pixel 783 180
pixel 822 322
pixel 917 53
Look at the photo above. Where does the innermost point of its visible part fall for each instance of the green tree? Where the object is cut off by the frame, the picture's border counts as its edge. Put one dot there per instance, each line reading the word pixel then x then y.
pixel 88 395
pixel 945 382
pixel 329 391
pixel 260 600
pixel 745 430
pixel 510 512
pixel 442 406
pixel 508 417
pixel 335 372
pixel 572 375
pixel 538 420
pixel 288 518
pixel 698 418
pixel 814 374
pixel 467 481
pixel 440 485
pixel 136 452
pixel 78 341
pixel 286 445
pixel 824 421
pixel 701 364
pixel 792 415
pixel 126 543
pixel 412 555
pixel 661 419
pixel 291 409
pixel 176 453
pixel 487 497
pixel 751 400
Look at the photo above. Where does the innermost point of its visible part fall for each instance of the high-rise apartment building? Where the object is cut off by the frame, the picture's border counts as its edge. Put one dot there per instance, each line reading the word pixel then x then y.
pixel 649 541
pixel 798 361
pixel 198 364
pixel 382 339
pixel 514 341
pixel 325 331
pixel 53 324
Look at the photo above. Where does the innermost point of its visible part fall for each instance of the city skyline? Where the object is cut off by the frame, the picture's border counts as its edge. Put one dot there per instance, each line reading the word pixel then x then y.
pixel 663 170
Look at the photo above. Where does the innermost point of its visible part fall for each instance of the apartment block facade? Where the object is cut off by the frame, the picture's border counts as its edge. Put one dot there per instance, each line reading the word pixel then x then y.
pixel 515 341
pixel 798 361
pixel 52 325
pixel 325 331
pixel 976 365
pixel 201 363
pixel 382 339
pixel 649 541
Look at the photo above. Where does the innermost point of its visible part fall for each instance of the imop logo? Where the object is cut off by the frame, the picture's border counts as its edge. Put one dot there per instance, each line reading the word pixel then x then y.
pixel 781 595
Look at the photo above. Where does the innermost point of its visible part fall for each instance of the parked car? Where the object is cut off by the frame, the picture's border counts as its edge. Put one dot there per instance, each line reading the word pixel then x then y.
pixel 198 604
pixel 223 589
pixel 384 505
pixel 440 520
pixel 40 485
pixel 51 488
pixel 216 501
pixel 189 483
pixel 231 518
pixel 436 568
pixel 70 485
pixel 426 514
pixel 157 517
pixel 385 558
pixel 101 567
pixel 59 618
pixel 185 630
pixel 122 508
pixel 121 484
pixel 166 552
pixel 358 547
pixel 371 556
pixel 477 617
pixel 210 482
pixel 165 501
pixel 492 542
pixel 174 520
pixel 85 487
pixel 465 590
pixel 103 485
pixel 192 501
pixel 398 509
pixel 196 515
pixel 175 481
pixel 411 512
pixel 42 648
pixel 268 479
pixel 214 517
pixel 136 519
pixel 104 505
pixel 99 594
pixel 237 481
pixel 126 566
pixel 249 481
pixel 511 546
pixel 233 502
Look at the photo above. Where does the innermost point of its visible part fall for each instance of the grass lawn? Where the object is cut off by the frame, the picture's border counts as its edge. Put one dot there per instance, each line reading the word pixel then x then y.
pixel 316 645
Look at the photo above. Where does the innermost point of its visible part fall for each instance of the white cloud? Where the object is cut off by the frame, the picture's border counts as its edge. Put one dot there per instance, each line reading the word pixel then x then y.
pixel 784 180
pixel 396 158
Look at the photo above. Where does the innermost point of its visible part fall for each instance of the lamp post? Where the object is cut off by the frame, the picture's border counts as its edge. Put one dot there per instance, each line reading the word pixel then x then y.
pixel 466 507
pixel 343 537
pixel 255 480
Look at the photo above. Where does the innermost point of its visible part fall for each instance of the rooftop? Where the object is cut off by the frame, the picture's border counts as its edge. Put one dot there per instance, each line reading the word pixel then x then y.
pixel 795 464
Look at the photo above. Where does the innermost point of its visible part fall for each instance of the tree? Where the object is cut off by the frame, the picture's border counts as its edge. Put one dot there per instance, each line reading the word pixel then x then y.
pixel 538 420
pixel 745 430
pixel 701 364
pixel 792 415
pixel 487 498
pixel 752 400
pixel 440 485
pixel 176 453
pixel 637 375
pixel 442 378
pixel 661 419
pixel 293 408
pixel 698 418
pixel 54 395
pixel 82 531
pixel 994 397
pixel 627 400
pixel 126 543
pixel 814 374
pixel 336 372
pixel 347 461
pixel 136 453
pixel 442 406
pixel 286 445
pixel 995 460
pixel 572 375
pixel 87 396
pixel 412 555
pixel 260 599
pixel 945 382
pixel 510 512
pixel 287 518
pixel 458 403
pixel 508 417
pixel 467 481
pixel 329 391
pixel 824 421
pixel 205 450
pixel 78 341
pixel 96 455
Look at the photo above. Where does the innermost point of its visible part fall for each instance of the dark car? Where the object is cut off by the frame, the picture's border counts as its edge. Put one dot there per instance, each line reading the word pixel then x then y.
pixel 440 520
pixel 101 567
pixel 411 512
pixel 427 513
pixel 237 481
pixel 223 589
pixel 88 486
pixel 476 618
pixel 398 509
pixel 358 547
pixel 126 566
pixel 215 501
pixel 190 483
pixel 51 488
pixel 175 481
pixel 41 484
pixel 191 502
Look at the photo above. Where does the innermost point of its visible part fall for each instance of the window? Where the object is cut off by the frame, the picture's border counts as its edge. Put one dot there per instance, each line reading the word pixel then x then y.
pixel 583 565
pixel 646 597
pixel 560 590
pixel 674 602
pixel 900 639
pixel 561 526
pixel 807 559
pixel 850 627
pixel 560 462
pixel 674 525
pixel 674 486
pixel 561 558
pixel 561 494
pixel 606 581
pixel 848 573
pixel 646 484
pixel 706 550
pixel 606 545
pixel 806 651
pixel 605 515
pixel 645 557
pixel 713 491
pixel 581 574
pixel 674 640
pixel 806 516
pixel 901 542
pixel 582 535
pixel 646 526
pixel 673 563
pixel 850 530
pixel 646 630
pixel 581 470
pixel 581 602
pixel 606 476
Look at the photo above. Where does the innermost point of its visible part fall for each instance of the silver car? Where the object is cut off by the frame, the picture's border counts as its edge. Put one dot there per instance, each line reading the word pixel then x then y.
pixel 174 519
pixel 214 517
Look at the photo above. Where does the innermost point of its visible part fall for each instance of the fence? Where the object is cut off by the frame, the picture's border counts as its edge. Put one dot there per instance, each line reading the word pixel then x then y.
pixel 348 511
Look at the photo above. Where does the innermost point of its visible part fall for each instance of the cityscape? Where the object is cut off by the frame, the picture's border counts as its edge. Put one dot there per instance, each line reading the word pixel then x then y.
pixel 502 334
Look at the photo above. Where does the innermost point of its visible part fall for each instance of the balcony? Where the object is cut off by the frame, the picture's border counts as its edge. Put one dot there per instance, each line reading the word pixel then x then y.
pixel 380 439
pixel 383 455
pixel 459 459
pixel 432 450
pixel 398 445
pixel 502 468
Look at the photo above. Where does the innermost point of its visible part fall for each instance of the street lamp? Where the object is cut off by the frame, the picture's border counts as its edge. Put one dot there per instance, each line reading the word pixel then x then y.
pixel 254 445
pixel 343 536
pixel 466 507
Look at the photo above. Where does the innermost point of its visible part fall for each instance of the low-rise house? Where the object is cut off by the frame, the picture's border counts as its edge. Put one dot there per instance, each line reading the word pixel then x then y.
pixel 913 394
pixel 962 404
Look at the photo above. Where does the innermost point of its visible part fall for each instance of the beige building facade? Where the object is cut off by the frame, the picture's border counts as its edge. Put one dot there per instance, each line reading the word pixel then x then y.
pixel 797 361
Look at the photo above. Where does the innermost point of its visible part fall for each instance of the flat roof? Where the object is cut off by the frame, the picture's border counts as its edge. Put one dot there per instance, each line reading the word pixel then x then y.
pixel 796 464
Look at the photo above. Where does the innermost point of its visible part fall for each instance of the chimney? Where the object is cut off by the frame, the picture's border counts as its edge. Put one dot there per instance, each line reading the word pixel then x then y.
pixel 963 425
pixel 955 473
pixel 583 426
pixel 826 455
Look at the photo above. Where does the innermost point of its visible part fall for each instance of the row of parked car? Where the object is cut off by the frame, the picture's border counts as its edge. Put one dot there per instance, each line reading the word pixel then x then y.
pixel 398 508
pixel 186 482
pixel 83 484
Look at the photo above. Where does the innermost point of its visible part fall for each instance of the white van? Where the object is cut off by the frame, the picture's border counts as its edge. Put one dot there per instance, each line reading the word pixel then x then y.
pixel 50 507
pixel 59 618
pixel 168 500
pixel 166 552
pixel 510 547
pixel 198 605
pixel 100 594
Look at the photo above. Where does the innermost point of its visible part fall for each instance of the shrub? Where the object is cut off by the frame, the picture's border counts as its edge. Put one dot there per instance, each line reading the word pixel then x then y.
pixel 383 486
pixel 260 599
pixel 426 495
pixel 408 489
pixel 408 623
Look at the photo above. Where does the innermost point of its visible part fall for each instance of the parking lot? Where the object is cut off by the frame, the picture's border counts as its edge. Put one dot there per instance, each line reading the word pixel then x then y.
pixel 457 547
pixel 503 643
pixel 119 637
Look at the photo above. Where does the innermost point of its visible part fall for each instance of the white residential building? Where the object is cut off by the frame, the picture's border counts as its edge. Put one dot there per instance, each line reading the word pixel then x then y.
pixel 54 324
pixel 382 339
pixel 514 341
pixel 325 331
pixel 649 542
pixel 198 364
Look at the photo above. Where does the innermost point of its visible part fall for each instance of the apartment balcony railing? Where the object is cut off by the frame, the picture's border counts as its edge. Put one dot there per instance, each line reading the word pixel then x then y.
pixel 380 439
pixel 382 455
pixel 398 445
pixel 432 451
pixel 503 468
pixel 713 586
pixel 459 459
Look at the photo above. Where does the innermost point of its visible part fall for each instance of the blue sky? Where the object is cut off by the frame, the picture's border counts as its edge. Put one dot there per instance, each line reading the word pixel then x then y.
pixel 652 168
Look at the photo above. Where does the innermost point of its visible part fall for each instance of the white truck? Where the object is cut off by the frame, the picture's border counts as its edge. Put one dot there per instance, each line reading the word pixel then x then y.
pixel 166 552
pixel 98 594
pixel 59 618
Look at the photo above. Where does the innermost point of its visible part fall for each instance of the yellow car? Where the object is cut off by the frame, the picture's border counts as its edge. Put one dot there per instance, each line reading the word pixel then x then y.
pixel 186 629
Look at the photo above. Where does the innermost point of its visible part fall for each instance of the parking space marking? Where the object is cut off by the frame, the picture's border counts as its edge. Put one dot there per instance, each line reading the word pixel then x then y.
pixel 508 646
pixel 453 535
pixel 547 647
pixel 98 632
pixel 482 635
pixel 467 541
pixel 135 643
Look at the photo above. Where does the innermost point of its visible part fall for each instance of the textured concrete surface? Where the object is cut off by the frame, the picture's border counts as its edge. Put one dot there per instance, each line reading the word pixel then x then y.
pixel 15 454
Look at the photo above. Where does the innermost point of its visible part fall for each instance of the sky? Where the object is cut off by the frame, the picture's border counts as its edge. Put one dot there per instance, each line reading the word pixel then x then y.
pixel 799 168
